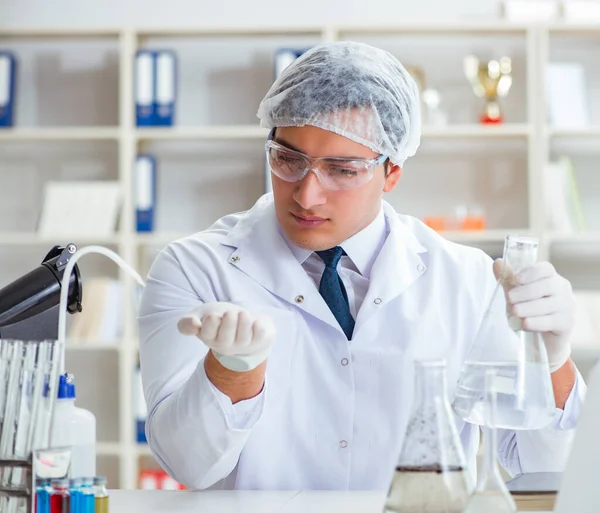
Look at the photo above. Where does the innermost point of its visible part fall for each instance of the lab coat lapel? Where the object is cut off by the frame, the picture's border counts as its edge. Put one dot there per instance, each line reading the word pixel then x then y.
pixel 262 254
pixel 399 264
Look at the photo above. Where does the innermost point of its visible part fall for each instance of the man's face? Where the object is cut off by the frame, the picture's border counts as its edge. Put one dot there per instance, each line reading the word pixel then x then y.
pixel 317 218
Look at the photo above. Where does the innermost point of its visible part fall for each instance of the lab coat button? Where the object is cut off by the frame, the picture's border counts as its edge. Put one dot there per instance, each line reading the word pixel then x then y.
pixel 343 444
pixel 344 361
pixel 420 268
pixel 377 301
pixel 299 299
pixel 235 259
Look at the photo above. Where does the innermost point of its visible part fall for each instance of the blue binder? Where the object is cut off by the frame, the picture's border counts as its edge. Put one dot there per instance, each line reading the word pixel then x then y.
pixel 145 192
pixel 284 57
pixel 166 87
pixel 8 69
pixel 144 88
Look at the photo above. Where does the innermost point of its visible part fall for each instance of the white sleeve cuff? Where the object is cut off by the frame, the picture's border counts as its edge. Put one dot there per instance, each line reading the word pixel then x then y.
pixel 243 414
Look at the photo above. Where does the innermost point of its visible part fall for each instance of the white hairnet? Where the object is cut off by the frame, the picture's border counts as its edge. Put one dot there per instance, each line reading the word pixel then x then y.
pixel 353 89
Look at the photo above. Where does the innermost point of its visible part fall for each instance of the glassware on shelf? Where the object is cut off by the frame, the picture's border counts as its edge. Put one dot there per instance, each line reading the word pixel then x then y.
pixel 491 494
pixel 431 474
pixel 525 399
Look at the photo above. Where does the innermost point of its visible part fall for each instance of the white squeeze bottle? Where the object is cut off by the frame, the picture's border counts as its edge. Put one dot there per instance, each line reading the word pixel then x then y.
pixel 75 428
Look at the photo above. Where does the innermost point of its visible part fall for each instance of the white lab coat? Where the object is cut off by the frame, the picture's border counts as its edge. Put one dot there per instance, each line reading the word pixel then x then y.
pixel 333 412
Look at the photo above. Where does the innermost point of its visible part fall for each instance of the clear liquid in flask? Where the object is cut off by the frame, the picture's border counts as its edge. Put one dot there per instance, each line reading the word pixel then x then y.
pixel 513 384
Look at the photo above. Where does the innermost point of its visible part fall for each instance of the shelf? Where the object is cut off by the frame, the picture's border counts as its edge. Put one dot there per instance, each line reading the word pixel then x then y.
pixel 92 346
pixel 591 131
pixel 177 133
pixel 58 32
pixel 34 239
pixel 478 130
pixel 159 239
pixel 565 238
pixel 465 28
pixel 108 449
pixel 143 450
pixel 59 134
pixel 574 28
pixel 230 31
pixel 480 236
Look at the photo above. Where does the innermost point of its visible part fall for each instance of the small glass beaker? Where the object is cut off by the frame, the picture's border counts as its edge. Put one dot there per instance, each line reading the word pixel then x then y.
pixel 431 474
pixel 525 399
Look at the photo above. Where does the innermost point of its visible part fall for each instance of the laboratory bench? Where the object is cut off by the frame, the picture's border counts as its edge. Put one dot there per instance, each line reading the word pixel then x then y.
pixel 151 501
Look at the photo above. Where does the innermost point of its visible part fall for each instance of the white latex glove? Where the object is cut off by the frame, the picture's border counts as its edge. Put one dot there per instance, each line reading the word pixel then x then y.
pixel 545 302
pixel 239 339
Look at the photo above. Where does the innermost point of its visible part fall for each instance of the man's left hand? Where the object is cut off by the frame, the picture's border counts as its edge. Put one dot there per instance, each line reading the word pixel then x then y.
pixel 545 302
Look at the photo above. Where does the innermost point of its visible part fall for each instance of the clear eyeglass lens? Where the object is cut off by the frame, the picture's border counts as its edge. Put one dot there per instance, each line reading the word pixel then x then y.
pixel 337 174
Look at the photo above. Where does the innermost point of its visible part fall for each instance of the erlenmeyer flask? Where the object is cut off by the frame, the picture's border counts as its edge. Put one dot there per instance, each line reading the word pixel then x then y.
pixel 525 399
pixel 431 475
pixel 491 494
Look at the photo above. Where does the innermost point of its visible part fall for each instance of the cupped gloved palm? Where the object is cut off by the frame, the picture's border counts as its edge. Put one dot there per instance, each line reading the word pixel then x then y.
pixel 544 300
pixel 239 339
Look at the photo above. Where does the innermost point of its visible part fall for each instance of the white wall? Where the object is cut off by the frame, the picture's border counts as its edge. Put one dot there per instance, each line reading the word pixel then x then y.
pixel 237 13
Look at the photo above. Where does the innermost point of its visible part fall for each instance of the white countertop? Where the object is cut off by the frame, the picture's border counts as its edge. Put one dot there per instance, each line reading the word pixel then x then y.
pixel 245 502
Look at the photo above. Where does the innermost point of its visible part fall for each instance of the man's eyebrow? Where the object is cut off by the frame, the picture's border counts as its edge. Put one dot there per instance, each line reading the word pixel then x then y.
pixel 278 140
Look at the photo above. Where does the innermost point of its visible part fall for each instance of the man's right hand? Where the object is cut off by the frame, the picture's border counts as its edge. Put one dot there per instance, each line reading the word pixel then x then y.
pixel 239 339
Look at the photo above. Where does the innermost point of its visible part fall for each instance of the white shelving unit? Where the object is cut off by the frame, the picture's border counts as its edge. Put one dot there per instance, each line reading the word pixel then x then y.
pixel 527 129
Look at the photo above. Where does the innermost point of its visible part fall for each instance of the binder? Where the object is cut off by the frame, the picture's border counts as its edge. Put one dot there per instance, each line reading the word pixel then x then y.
pixel 8 68
pixel 145 192
pixel 166 87
pixel 144 88
pixel 284 57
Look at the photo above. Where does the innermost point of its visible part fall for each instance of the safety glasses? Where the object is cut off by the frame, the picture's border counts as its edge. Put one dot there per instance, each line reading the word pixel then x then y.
pixel 333 173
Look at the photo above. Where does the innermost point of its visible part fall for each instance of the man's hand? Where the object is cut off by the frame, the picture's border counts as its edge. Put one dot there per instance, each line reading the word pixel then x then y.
pixel 239 339
pixel 545 302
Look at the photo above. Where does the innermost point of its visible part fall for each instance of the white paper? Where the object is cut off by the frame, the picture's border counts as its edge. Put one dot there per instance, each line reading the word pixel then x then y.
pixel 567 95
pixel 86 209
pixel 144 66
pixel 165 78
pixel 144 183
pixel 4 80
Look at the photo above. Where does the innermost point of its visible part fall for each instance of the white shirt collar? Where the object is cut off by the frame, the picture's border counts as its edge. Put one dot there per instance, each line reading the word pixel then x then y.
pixel 362 248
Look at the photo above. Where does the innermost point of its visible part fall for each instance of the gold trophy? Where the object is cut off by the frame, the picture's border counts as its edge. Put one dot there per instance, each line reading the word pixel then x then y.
pixel 490 80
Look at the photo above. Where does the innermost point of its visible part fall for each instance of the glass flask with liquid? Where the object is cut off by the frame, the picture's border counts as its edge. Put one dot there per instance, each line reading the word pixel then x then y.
pixel 431 474
pixel 525 399
pixel 491 494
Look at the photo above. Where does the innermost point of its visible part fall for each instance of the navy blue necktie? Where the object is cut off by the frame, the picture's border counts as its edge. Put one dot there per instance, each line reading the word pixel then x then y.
pixel 333 291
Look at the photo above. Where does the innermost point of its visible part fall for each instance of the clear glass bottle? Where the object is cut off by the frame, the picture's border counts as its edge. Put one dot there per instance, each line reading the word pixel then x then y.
pixel 525 399
pixel 101 494
pixel 491 494
pixel 431 474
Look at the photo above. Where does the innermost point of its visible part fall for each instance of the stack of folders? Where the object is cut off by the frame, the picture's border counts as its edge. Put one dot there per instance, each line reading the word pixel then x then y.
pixel 535 491
pixel 144 175
pixel 8 69
pixel 155 87
pixel 101 319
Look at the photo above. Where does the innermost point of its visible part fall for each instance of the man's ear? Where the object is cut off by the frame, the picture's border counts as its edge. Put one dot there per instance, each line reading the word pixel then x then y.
pixel 394 174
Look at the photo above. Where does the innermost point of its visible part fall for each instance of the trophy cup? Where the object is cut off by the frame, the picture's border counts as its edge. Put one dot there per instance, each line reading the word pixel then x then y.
pixel 490 80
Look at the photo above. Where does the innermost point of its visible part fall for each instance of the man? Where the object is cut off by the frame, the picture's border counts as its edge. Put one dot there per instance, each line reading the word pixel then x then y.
pixel 310 309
